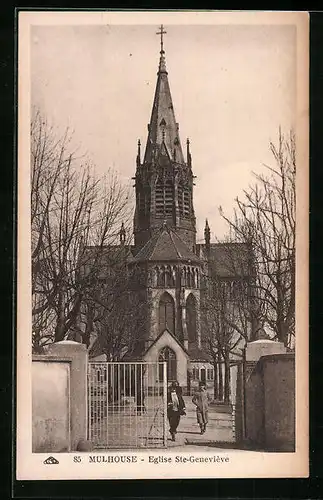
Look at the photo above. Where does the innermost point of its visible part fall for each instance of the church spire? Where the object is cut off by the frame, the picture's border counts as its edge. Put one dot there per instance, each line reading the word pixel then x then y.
pixel 207 234
pixel 164 181
pixel 163 131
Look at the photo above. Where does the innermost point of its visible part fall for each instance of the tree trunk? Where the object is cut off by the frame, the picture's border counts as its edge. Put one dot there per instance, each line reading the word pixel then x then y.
pixel 227 379
pixel 88 326
pixel 220 393
pixel 216 382
pixel 36 341
pixel 60 325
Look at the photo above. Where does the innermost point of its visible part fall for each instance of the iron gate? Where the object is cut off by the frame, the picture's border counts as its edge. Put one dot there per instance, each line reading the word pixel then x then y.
pixel 127 405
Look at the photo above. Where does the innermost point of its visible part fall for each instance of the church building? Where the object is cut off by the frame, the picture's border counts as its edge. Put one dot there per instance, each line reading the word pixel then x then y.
pixel 175 267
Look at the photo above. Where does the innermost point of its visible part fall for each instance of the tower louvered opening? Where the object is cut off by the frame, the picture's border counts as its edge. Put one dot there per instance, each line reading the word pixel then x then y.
pixel 183 201
pixel 164 198
pixel 143 201
pixel 186 204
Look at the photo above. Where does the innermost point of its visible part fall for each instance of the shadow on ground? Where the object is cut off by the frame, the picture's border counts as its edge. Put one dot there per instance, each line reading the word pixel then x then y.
pixel 196 433
pixel 233 446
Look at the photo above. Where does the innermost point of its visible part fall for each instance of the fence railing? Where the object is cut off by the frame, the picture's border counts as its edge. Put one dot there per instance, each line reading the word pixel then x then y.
pixel 127 403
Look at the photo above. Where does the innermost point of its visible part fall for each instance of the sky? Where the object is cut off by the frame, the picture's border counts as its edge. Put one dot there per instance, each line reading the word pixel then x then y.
pixel 232 87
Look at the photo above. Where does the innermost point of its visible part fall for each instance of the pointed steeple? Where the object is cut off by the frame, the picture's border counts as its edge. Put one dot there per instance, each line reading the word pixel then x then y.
pixel 139 153
pixel 207 234
pixel 163 128
pixel 188 153
pixel 164 181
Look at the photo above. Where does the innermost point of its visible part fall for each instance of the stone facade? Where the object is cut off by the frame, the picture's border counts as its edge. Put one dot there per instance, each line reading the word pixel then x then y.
pixel 166 339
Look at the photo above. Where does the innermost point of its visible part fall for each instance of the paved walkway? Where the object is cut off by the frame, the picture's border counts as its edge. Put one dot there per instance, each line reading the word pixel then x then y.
pixel 130 430
pixel 218 433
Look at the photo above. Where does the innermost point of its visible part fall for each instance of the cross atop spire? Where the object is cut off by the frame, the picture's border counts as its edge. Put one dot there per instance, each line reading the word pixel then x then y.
pixel 161 33
pixel 163 133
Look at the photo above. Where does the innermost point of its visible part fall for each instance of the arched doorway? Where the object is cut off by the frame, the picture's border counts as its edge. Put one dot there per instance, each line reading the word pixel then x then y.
pixel 168 355
pixel 191 318
pixel 166 313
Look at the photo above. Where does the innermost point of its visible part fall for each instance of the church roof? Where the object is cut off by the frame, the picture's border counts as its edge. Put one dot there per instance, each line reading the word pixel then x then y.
pixel 165 245
pixel 227 260
pixel 197 354
pixel 105 257
pixel 163 136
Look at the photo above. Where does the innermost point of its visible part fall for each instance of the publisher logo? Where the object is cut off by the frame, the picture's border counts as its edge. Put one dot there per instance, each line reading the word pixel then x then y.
pixel 51 461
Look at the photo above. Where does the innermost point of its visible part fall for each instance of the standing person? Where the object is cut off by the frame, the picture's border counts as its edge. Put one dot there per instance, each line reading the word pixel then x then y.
pixel 140 401
pixel 175 408
pixel 200 399
pixel 140 395
pixel 179 390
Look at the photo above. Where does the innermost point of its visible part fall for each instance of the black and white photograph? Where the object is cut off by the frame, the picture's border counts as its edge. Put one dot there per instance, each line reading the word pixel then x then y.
pixel 162 245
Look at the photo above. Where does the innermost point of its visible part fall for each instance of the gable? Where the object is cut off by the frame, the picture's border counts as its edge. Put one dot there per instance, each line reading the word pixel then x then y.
pixel 165 339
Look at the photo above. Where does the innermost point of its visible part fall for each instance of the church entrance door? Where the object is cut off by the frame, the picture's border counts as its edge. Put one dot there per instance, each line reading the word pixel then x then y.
pixel 168 355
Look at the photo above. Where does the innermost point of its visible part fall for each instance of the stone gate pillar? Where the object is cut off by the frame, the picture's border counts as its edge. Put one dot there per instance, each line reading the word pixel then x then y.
pixel 254 389
pixel 78 356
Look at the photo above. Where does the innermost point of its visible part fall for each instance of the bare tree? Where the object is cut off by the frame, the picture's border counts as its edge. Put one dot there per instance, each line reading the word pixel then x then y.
pixel 71 209
pixel 115 306
pixel 265 221
pixel 226 328
pixel 256 285
pixel 118 323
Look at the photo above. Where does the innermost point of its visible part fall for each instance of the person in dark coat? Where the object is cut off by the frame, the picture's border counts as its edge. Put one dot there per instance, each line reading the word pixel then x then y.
pixel 140 393
pixel 200 400
pixel 179 390
pixel 175 408
pixel 140 397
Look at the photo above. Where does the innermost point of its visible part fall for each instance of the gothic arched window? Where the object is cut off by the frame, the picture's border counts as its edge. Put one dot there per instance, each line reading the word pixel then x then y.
pixel 169 277
pixel 143 200
pixel 190 282
pixel 168 355
pixel 166 313
pixel 161 277
pixel 191 318
pixel 184 277
pixel 147 201
pixel 155 276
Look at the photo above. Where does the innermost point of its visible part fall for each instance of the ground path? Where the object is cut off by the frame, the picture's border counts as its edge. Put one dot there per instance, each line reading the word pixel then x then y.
pixel 123 430
pixel 219 430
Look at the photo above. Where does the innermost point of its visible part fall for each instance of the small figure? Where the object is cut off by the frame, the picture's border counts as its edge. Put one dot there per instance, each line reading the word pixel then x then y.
pixel 179 390
pixel 175 407
pixel 140 402
pixel 140 392
pixel 200 400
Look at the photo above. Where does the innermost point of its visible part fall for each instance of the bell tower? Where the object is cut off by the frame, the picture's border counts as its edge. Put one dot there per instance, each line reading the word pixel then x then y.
pixel 164 180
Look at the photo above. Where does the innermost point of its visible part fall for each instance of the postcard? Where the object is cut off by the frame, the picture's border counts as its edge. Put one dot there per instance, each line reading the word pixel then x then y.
pixel 162 301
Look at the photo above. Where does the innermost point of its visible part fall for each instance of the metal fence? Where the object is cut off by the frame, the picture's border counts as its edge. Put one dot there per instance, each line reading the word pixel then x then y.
pixel 127 405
